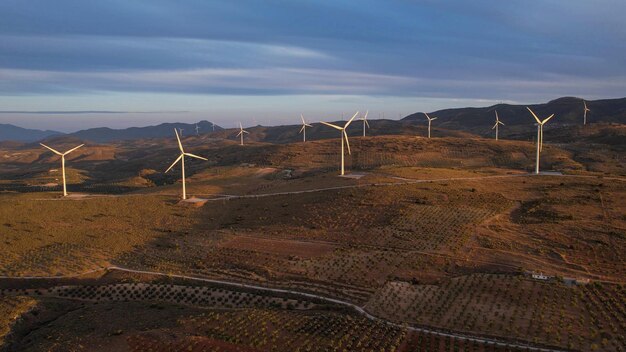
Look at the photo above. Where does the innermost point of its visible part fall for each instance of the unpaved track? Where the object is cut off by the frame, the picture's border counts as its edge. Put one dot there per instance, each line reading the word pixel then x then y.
pixel 359 309
pixel 404 181
pixel 354 307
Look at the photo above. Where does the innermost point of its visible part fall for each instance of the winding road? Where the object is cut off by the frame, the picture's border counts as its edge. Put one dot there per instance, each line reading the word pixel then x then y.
pixel 352 306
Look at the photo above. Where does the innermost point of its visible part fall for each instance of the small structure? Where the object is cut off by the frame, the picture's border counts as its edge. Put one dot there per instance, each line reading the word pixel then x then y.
pixel 540 276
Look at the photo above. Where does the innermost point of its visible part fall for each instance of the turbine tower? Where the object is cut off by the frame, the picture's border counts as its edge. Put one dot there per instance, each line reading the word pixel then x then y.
pixel 241 132
pixel 585 112
pixel 430 120
pixel 303 129
pixel 181 158
pixel 540 124
pixel 498 122
pixel 197 129
pixel 364 118
pixel 344 135
pixel 62 162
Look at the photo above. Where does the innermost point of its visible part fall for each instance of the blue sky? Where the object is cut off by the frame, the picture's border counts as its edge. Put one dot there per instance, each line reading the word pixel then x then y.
pixel 268 61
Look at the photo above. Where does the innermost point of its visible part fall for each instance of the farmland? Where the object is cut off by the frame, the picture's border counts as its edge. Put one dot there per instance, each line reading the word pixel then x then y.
pixel 427 237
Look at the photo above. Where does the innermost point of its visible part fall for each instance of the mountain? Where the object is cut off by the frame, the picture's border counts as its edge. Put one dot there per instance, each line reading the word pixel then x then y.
pixel 458 122
pixel 566 110
pixel 105 134
pixel 13 133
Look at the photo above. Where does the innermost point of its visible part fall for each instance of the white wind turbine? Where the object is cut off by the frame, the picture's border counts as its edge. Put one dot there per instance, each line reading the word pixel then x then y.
pixel 585 112
pixel 498 122
pixel 241 132
pixel 540 124
pixel 364 118
pixel 303 129
pixel 344 135
pixel 181 158
pixel 62 162
pixel 197 129
pixel 430 120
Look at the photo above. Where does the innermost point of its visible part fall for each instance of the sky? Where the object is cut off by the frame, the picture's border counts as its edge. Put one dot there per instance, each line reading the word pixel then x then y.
pixel 73 64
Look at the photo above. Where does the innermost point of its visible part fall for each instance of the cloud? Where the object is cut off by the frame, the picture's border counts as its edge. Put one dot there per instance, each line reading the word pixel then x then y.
pixel 513 50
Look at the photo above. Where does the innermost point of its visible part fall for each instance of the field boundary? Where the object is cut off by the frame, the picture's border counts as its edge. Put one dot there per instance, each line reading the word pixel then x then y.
pixel 358 309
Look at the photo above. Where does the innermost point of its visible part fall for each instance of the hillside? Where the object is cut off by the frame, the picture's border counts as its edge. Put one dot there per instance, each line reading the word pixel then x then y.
pixel 105 134
pixel 567 111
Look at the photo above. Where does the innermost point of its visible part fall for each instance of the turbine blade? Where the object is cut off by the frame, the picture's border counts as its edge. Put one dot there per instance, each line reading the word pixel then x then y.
pixel 180 145
pixel 367 123
pixel 244 131
pixel 428 117
pixel 238 134
pixel 52 150
pixel 307 125
pixel 302 117
pixel 366 113
pixel 502 123
pixel 240 126
pixel 347 143
pixel 331 125
pixel 434 118
pixel 496 115
pixel 73 149
pixel 535 116
pixel 350 121
pixel 548 118
pixel 195 156
pixel 302 129
pixel 494 126
pixel 174 163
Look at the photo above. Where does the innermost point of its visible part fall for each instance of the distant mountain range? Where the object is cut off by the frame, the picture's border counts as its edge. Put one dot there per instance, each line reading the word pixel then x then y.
pixel 19 134
pixel 477 121
pixel 566 110
pixel 105 134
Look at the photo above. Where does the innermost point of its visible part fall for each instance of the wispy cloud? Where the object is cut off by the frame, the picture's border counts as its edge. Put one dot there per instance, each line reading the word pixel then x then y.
pixel 515 50
pixel 85 112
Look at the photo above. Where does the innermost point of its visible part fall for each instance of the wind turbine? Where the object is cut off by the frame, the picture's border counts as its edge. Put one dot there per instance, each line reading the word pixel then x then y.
pixel 181 158
pixel 180 130
pixel 197 129
pixel 585 112
pixel 62 162
pixel 344 135
pixel 498 122
pixel 241 132
pixel 540 124
pixel 364 118
pixel 430 120
pixel 303 129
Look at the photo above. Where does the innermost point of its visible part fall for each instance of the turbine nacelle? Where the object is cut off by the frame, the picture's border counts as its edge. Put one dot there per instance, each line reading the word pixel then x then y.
pixel 344 136
pixel 58 152
pixel 181 158
pixel 343 129
pixel 304 124
pixel 241 133
pixel 430 118
pixel 62 155
pixel 539 124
